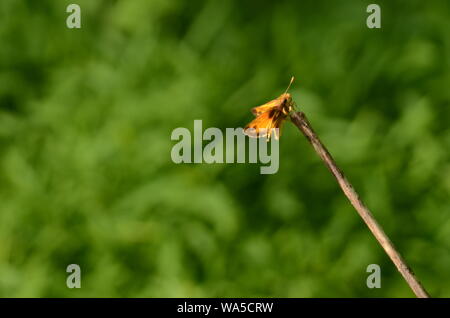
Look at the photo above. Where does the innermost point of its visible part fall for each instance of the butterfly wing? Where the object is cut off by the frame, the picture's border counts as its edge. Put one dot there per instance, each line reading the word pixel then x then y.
pixel 265 124
pixel 260 126
pixel 266 107
pixel 278 123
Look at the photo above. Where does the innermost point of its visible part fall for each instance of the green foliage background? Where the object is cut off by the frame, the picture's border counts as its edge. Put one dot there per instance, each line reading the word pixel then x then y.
pixel 86 175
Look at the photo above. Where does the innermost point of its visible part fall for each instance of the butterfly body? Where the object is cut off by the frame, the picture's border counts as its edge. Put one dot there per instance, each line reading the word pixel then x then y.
pixel 270 117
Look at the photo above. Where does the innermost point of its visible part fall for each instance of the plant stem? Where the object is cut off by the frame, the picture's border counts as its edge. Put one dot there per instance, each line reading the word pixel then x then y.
pixel 300 120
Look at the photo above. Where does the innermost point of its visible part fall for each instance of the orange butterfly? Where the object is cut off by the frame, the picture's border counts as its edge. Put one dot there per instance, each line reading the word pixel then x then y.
pixel 270 116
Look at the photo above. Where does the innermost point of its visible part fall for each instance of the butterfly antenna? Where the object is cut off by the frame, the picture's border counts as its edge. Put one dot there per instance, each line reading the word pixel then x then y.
pixel 290 83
